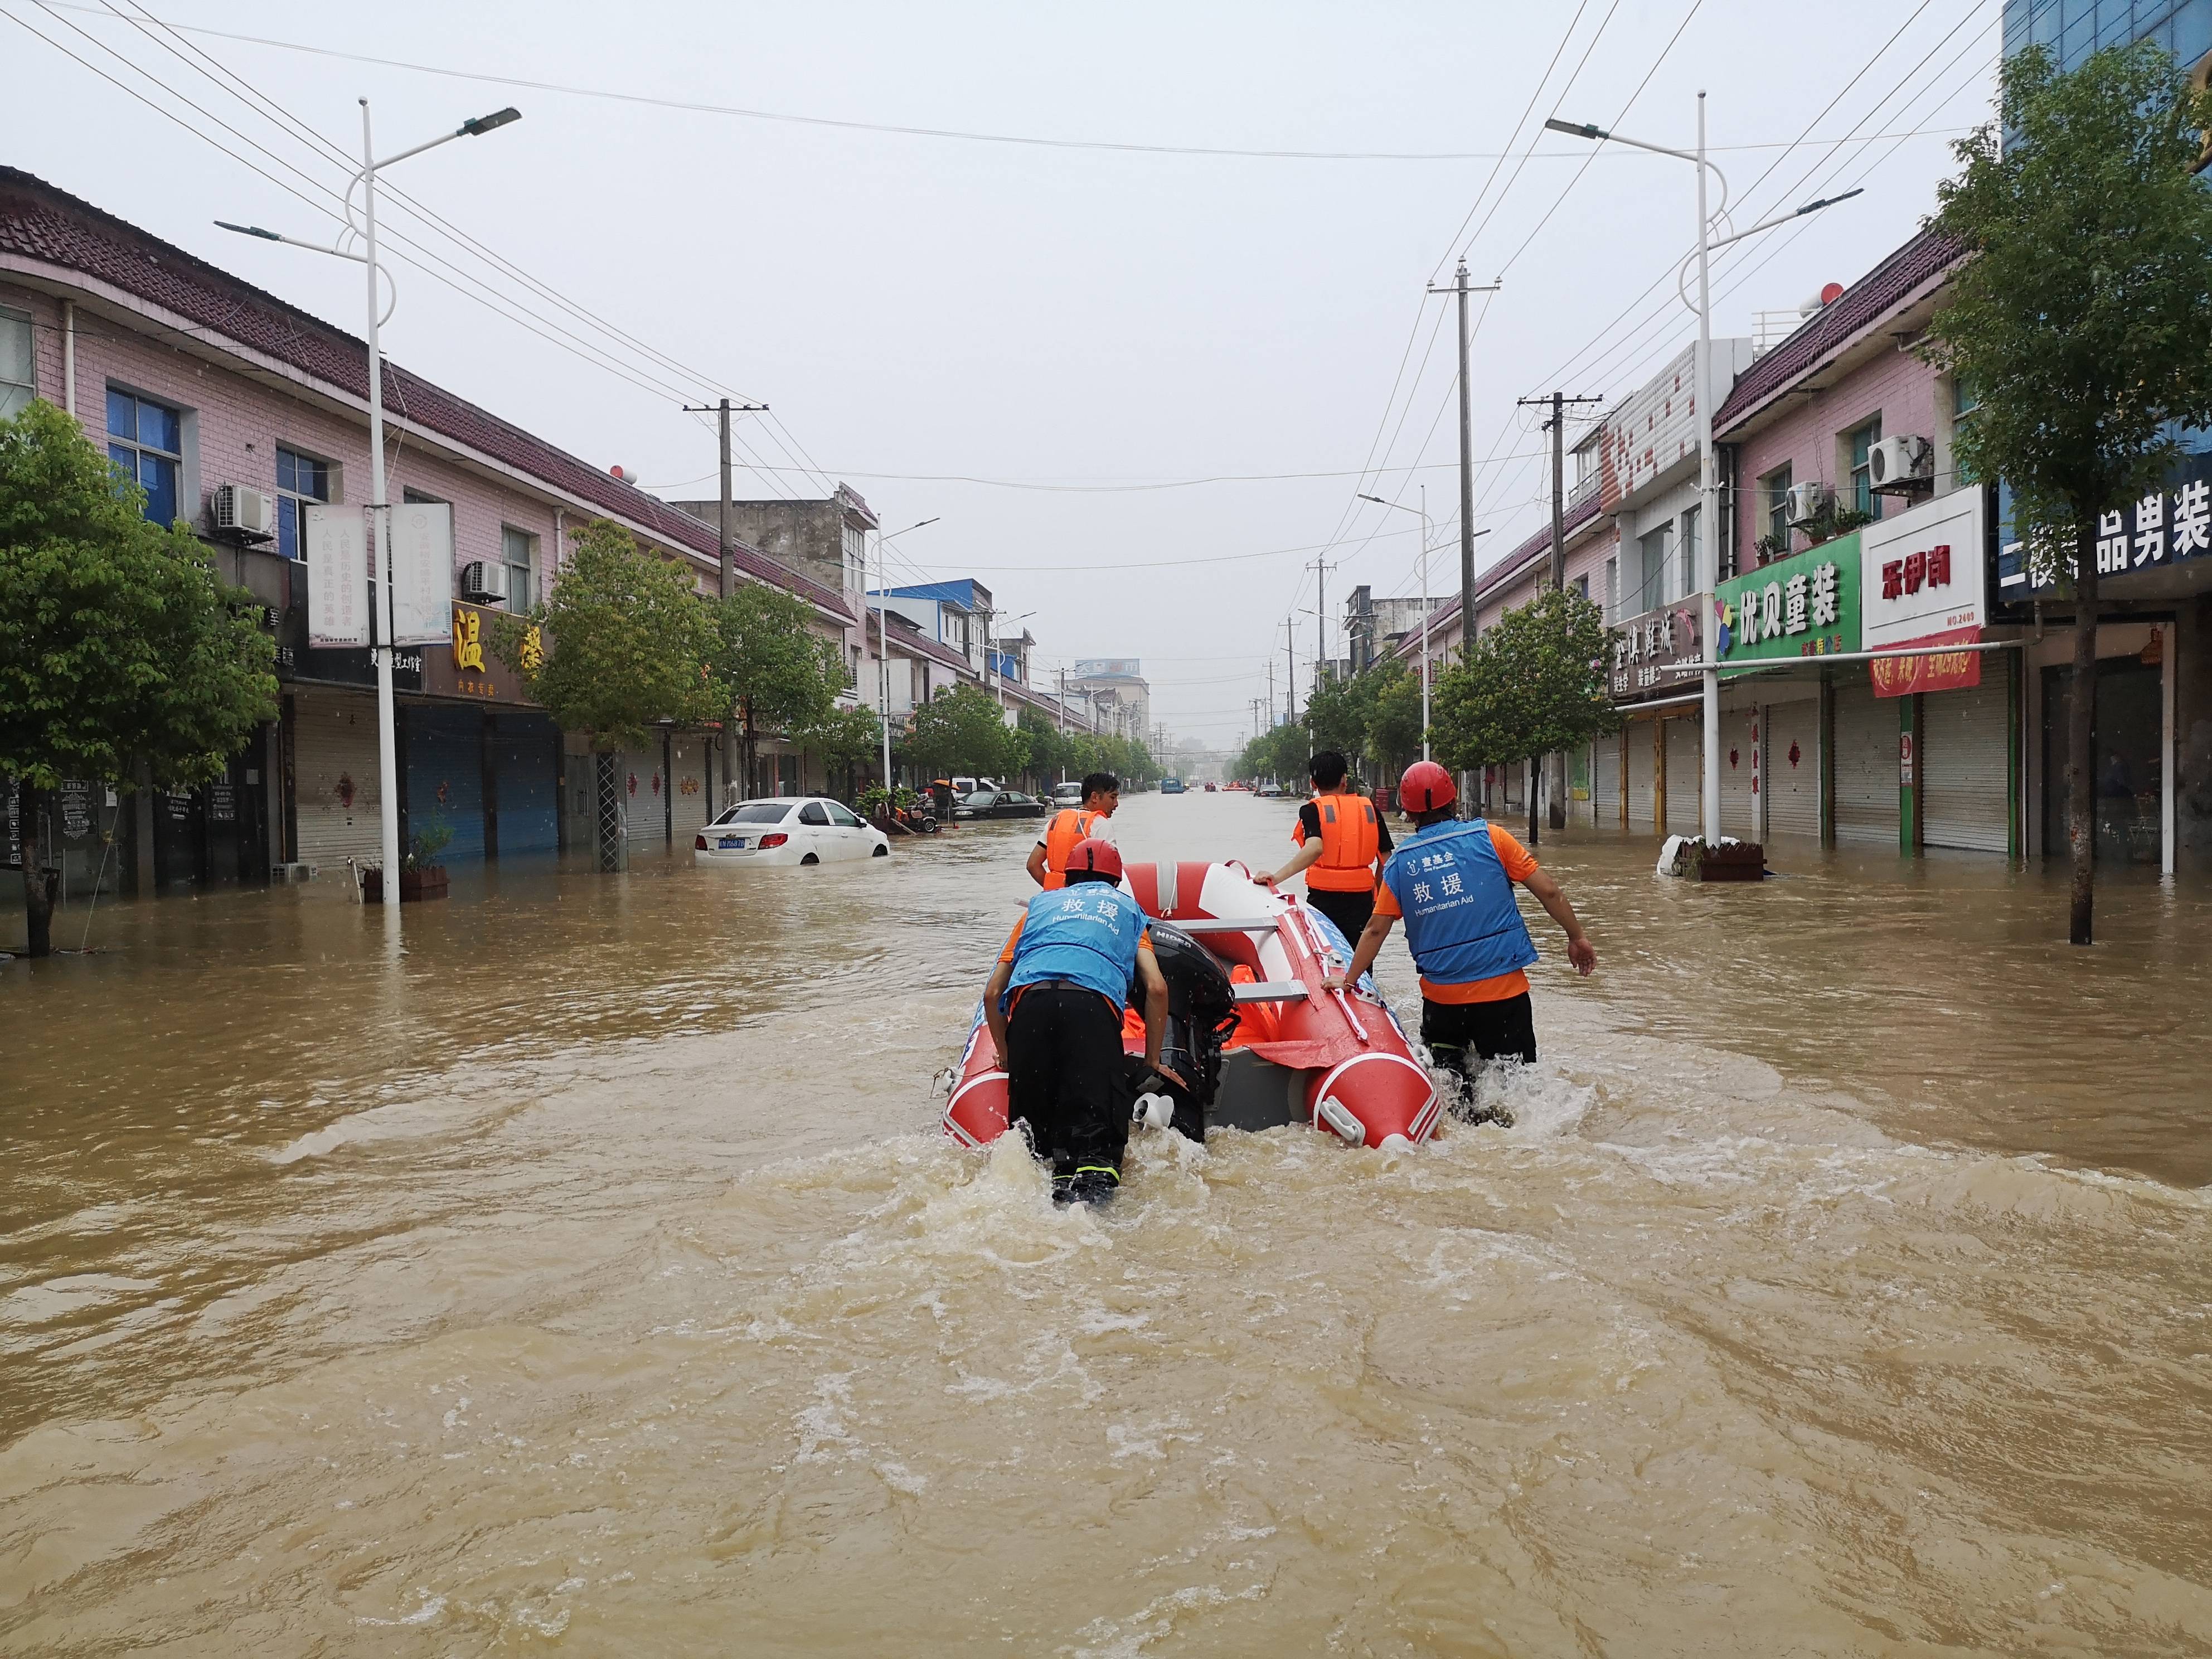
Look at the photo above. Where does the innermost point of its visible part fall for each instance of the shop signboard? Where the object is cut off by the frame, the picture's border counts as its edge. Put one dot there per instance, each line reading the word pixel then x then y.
pixel 337 569
pixel 2167 526
pixel 463 664
pixel 423 571
pixel 1925 583
pixel 1804 605
pixel 1653 652
pixel 299 658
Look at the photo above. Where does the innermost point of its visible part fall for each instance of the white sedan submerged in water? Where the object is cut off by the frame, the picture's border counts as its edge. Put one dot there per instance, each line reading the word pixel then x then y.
pixel 789 829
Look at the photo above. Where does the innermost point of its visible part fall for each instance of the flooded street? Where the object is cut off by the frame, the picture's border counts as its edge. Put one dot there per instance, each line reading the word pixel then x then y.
pixel 591 1275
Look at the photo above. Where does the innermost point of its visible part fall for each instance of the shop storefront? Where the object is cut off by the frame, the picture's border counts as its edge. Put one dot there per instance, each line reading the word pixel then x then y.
pixel 1643 772
pixel 480 764
pixel 329 795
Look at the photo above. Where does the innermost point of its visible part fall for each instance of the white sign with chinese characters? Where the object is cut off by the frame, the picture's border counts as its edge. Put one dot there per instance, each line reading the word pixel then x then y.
pixel 422 568
pixel 1922 573
pixel 338 577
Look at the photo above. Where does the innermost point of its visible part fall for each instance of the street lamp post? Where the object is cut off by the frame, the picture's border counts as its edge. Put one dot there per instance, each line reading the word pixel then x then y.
pixel 1709 793
pixel 883 640
pixel 1423 511
pixel 379 510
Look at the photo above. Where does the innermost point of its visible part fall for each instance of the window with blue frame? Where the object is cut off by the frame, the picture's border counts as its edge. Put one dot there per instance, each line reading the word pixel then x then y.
pixel 1862 442
pixel 300 482
pixel 146 441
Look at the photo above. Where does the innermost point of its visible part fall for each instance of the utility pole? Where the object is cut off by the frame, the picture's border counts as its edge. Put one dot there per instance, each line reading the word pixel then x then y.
pixel 1271 690
pixel 1320 567
pixel 1556 816
pixel 726 544
pixel 1466 467
pixel 1291 670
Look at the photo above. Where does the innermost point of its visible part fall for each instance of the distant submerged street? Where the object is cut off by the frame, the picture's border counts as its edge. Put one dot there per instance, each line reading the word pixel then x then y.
pixel 615 1286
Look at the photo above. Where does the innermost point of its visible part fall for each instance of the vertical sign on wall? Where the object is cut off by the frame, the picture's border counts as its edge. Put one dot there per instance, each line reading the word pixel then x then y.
pixel 422 573
pixel 338 577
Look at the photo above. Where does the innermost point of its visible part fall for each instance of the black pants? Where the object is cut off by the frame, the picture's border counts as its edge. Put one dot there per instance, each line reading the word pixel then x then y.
pixel 1495 1030
pixel 1350 912
pixel 1063 1075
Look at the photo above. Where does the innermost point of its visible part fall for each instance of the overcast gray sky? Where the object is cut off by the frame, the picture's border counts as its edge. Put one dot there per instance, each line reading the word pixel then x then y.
pixel 1066 320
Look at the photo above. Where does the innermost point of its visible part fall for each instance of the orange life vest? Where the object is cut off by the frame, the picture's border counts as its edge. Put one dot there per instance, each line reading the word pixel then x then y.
pixel 1349 842
pixel 1070 830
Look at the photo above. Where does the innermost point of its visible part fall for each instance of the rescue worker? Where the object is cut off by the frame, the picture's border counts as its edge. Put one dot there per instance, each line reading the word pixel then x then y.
pixel 1102 793
pixel 1342 841
pixel 1053 1004
pixel 1453 883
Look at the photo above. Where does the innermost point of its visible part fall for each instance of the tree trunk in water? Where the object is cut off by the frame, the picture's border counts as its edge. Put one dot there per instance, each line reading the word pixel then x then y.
pixel 37 888
pixel 1556 808
pixel 1535 789
pixel 2080 738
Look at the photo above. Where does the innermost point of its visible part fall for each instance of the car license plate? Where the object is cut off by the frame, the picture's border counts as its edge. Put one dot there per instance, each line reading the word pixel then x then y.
pixel 731 841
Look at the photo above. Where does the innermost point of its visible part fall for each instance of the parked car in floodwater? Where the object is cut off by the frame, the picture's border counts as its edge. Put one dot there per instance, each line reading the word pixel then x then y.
pixel 1068 794
pixel 998 804
pixel 794 829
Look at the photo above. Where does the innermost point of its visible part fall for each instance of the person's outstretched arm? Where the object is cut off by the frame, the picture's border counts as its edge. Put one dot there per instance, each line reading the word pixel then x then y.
pixel 1037 864
pixel 1364 953
pixel 1580 951
pixel 1156 1011
pixel 994 1016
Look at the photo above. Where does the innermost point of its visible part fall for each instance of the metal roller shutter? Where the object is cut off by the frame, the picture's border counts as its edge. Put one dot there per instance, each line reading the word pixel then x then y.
pixel 687 777
pixel 1790 780
pixel 336 792
pixel 444 763
pixel 1682 747
pixel 1965 739
pixel 1642 777
pixel 525 766
pixel 1605 783
pixel 1867 729
pixel 1739 769
pixel 642 784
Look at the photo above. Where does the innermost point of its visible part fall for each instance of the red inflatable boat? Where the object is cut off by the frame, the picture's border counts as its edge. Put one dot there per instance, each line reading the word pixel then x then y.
pixel 1249 1024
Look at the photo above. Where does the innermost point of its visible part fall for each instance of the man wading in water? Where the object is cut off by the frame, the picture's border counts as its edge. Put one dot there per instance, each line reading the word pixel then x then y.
pixel 1054 1008
pixel 1453 883
pixel 1341 840
pixel 1102 793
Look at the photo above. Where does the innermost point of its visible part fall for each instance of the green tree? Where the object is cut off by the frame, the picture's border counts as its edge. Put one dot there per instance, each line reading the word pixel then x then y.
pixel 1050 749
pixel 1535 685
pixel 622 642
pixel 118 645
pixel 1335 719
pixel 849 737
pixel 963 731
pixel 779 674
pixel 1280 753
pixel 1390 694
pixel 2083 319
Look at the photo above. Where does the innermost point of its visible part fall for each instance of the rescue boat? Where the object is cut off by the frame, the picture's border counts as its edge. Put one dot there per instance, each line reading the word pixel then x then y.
pixel 1250 1025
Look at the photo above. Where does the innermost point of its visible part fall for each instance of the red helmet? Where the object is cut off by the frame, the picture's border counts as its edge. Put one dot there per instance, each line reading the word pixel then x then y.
pixel 1426 786
pixel 1101 856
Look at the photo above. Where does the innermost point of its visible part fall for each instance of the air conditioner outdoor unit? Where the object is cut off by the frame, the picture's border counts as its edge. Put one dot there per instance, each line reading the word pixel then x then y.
pixel 1897 464
pixel 1808 501
pixel 242 512
pixel 483 582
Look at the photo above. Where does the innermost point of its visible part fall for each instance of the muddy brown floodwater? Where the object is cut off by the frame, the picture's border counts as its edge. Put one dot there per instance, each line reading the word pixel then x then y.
pixel 590 1277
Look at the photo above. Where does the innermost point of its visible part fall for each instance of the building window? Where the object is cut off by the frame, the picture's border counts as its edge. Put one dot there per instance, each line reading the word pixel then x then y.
pixel 519 547
pixel 18 375
pixel 1965 400
pixel 1651 588
pixel 1862 442
pixel 1685 563
pixel 1613 590
pixel 856 553
pixel 1774 494
pixel 852 671
pixel 1581 584
pixel 146 441
pixel 299 482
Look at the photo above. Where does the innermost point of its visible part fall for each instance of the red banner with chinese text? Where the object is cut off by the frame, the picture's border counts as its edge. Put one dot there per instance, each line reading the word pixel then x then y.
pixel 1939 671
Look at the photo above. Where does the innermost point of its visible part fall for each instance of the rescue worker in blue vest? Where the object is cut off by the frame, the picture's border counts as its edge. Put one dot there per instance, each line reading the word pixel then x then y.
pixel 1453 883
pixel 1053 1005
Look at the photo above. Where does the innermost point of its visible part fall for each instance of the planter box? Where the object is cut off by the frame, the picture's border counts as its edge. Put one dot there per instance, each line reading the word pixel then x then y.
pixel 1739 860
pixel 414 884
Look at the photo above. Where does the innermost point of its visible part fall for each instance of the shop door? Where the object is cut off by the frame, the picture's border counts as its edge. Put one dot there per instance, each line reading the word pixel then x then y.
pixel 336 799
pixel 687 774
pixel 1605 792
pixel 178 826
pixel 525 768
pixel 2125 777
pixel 646 825
pixel 1791 779
pixel 1682 751
pixel 1642 777
pixel 445 778
pixel 1740 765
pixel 1965 770
pixel 1867 728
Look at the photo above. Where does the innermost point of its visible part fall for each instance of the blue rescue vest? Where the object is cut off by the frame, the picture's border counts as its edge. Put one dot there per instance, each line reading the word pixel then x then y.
pixel 1087 933
pixel 1461 923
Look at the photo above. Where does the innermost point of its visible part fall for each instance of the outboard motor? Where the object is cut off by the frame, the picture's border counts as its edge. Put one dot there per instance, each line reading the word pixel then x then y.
pixel 1202 1013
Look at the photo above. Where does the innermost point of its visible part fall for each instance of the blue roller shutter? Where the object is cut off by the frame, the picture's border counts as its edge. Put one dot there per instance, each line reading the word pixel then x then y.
pixel 445 777
pixel 525 762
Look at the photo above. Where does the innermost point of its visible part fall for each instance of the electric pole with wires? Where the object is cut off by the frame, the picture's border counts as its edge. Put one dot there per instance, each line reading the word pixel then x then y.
pixel 726 546
pixel 1556 815
pixel 1466 466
